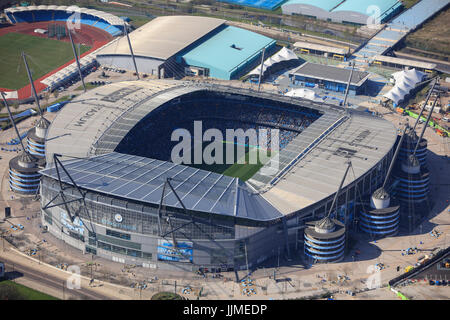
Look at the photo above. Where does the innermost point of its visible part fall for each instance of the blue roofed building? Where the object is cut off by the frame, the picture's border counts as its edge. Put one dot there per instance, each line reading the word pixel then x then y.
pixel 318 9
pixel 259 4
pixel 227 54
pixel 355 12
pixel 362 12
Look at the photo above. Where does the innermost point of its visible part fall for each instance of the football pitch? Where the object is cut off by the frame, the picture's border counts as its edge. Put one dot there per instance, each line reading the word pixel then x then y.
pixel 43 56
pixel 244 170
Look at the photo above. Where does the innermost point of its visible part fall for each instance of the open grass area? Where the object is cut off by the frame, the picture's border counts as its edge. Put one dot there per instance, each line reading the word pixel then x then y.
pixel 43 55
pixel 433 36
pixel 10 290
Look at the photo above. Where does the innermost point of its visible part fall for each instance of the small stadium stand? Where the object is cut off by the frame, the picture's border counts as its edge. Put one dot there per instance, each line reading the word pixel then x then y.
pixel 105 21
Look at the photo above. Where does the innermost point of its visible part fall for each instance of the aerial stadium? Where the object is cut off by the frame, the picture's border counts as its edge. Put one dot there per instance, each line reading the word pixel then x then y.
pixel 111 189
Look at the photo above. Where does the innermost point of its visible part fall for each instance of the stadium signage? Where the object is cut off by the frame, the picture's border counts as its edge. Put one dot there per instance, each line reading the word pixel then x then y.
pixel 120 94
pixel 118 226
pixel 88 115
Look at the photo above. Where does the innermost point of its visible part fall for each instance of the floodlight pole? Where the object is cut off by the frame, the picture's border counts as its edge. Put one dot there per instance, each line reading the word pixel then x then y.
pixel 12 120
pixel 76 59
pixel 261 71
pixel 131 50
pixel 30 78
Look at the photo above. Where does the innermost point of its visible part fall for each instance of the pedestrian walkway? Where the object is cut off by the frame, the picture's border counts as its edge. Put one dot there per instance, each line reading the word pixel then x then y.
pixel 396 30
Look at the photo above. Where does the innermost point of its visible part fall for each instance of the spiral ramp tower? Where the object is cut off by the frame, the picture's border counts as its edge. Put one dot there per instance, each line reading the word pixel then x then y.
pixel 413 177
pixel 24 176
pixel 408 145
pixel 325 239
pixel 36 138
pixel 383 217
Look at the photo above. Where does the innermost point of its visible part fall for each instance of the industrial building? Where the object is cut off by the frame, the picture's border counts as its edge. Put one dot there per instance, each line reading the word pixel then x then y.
pixel 399 63
pixel 329 78
pixel 326 51
pixel 175 46
pixel 353 12
pixel 126 201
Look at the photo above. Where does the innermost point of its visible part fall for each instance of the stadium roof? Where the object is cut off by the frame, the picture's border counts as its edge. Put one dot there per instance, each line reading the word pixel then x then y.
pixel 330 73
pixel 311 166
pixel 363 138
pixel 226 51
pixel 142 179
pixel 163 37
pixel 326 5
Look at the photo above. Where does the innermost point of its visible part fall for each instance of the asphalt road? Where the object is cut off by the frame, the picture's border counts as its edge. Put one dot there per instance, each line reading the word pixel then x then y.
pixel 48 280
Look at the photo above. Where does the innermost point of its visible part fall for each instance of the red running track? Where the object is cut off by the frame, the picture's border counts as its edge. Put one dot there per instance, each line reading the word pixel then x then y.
pixel 86 35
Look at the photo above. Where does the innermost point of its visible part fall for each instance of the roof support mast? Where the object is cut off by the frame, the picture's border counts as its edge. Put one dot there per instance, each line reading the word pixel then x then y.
pixel 425 104
pixel 30 78
pixel 131 50
pixel 12 120
pixel 348 85
pixel 425 125
pixel 76 59
pixel 394 157
pixel 349 163
pixel 261 71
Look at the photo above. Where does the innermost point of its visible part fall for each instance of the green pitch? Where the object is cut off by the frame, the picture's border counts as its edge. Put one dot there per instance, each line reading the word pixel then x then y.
pixel 43 56
pixel 10 290
pixel 243 171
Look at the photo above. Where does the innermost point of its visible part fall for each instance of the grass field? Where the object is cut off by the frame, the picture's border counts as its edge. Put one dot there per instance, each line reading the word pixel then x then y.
pixel 10 290
pixel 43 55
pixel 243 171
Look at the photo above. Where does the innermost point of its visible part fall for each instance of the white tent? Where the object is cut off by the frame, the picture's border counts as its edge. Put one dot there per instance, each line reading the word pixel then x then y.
pixel 283 55
pixel 405 81
pixel 304 93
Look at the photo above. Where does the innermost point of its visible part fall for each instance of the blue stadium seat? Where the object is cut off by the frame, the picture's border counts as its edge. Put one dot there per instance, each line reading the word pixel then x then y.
pixel 61 16
pixel 42 15
pixel 114 31
pixel 102 25
pixel 88 19
pixel 24 16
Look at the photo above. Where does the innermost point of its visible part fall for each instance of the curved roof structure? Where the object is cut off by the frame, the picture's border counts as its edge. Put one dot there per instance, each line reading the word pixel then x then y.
pixel 308 168
pixel 163 37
